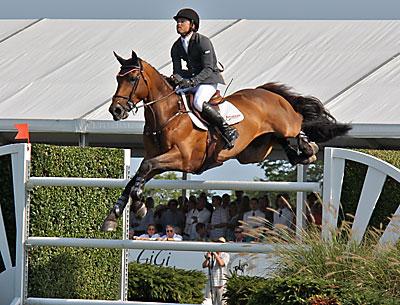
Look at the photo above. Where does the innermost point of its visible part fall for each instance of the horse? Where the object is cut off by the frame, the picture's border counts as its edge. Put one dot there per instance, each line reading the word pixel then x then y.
pixel 273 114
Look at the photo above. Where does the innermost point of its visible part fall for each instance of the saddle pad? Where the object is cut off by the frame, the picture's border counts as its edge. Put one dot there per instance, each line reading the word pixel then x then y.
pixel 229 112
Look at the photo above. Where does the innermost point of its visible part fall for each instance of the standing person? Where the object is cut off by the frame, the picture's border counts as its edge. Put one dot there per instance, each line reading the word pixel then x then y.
pixel 249 217
pixel 217 264
pixel 283 216
pixel 198 215
pixel 202 74
pixel 173 216
pixel 219 219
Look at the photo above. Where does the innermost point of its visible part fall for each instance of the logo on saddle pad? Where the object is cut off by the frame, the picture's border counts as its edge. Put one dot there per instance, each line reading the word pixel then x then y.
pixel 228 111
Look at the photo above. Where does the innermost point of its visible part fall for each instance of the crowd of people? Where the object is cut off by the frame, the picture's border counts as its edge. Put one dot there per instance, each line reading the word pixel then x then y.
pixel 197 219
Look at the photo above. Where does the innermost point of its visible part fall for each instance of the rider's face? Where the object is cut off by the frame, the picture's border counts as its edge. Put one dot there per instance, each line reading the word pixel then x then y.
pixel 183 26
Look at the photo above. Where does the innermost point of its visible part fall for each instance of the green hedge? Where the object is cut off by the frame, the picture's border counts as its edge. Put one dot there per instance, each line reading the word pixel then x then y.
pixel 300 290
pixel 164 284
pixel 73 212
pixel 352 185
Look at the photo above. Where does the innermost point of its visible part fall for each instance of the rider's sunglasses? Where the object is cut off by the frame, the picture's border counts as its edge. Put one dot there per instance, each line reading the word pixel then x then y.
pixel 170 231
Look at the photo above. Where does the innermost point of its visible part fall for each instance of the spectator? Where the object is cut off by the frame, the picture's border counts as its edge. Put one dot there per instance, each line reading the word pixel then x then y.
pixel 173 216
pixel 239 197
pixel 314 204
pixel 217 264
pixel 203 196
pixel 283 216
pixel 250 217
pixel 201 231
pixel 219 219
pixel 183 204
pixel 264 206
pixel 239 236
pixel 158 212
pixel 226 201
pixel 233 221
pixel 244 206
pixel 151 233
pixel 200 214
pixel 170 234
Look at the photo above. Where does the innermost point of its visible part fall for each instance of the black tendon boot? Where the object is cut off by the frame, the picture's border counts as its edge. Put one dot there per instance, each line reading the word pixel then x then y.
pixel 212 116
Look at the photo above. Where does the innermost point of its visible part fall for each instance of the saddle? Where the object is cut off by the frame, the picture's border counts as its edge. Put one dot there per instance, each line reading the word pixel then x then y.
pixel 215 100
pixel 231 114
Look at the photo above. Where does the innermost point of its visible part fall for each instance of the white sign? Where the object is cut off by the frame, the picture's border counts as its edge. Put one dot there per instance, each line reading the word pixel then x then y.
pixel 239 263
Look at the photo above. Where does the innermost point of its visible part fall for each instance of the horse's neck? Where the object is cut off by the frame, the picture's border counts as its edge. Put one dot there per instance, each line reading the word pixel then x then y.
pixel 163 96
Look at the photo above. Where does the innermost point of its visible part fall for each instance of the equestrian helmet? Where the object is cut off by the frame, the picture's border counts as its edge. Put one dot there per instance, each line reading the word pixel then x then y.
pixel 189 14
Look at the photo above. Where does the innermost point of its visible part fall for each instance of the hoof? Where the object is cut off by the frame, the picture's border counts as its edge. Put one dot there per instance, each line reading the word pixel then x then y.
pixel 109 224
pixel 309 160
pixel 314 147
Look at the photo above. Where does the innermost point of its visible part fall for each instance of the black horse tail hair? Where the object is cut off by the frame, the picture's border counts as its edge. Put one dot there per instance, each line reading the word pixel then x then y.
pixel 318 124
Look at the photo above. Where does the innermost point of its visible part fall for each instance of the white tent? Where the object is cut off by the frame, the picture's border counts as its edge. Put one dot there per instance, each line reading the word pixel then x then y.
pixel 59 75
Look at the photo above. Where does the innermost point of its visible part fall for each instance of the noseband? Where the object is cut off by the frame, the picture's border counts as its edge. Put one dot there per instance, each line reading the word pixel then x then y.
pixel 135 82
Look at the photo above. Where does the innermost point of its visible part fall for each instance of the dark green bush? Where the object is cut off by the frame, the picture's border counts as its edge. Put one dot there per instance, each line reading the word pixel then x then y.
pixel 164 284
pixel 73 212
pixel 300 290
pixel 239 289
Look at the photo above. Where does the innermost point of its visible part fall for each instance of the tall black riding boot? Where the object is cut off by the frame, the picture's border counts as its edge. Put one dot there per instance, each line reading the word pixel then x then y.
pixel 212 116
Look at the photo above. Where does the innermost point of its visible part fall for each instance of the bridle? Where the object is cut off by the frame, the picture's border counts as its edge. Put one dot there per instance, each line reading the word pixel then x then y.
pixel 131 106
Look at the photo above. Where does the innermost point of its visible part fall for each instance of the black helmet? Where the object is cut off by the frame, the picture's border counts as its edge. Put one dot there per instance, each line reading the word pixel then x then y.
pixel 190 14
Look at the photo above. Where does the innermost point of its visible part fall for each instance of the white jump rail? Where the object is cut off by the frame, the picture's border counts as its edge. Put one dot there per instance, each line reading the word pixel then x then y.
pixel 179 184
pixel 333 177
pixel 374 180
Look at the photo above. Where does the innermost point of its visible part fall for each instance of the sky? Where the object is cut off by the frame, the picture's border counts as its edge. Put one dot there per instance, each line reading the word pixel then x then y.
pixel 207 9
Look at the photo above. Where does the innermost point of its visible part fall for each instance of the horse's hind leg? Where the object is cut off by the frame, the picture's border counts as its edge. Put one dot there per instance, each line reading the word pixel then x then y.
pixel 307 150
pixel 291 152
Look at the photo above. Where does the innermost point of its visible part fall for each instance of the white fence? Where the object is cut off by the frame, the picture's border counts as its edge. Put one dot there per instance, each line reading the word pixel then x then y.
pixel 13 282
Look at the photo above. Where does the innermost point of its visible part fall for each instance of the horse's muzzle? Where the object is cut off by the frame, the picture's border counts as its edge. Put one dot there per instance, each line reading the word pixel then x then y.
pixel 118 112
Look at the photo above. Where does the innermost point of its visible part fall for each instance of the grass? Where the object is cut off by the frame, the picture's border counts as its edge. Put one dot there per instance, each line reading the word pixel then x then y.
pixel 366 265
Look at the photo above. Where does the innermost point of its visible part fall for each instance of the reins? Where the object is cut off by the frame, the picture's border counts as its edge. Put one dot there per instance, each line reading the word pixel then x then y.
pixel 134 107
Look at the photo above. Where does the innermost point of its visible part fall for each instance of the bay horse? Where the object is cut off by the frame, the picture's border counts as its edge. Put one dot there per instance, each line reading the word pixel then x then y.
pixel 272 114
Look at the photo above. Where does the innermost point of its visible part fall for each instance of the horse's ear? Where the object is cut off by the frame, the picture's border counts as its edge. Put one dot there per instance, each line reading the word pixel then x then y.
pixel 134 56
pixel 119 58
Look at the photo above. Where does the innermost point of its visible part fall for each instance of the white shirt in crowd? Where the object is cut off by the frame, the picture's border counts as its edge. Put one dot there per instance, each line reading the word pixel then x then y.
pixel 249 218
pixel 283 217
pixel 219 215
pixel 175 237
pixel 193 217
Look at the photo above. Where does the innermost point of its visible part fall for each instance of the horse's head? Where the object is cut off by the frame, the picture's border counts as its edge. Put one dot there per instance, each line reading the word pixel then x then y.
pixel 131 87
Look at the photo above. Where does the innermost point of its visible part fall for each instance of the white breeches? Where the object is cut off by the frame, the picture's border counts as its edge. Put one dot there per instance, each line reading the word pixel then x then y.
pixel 202 94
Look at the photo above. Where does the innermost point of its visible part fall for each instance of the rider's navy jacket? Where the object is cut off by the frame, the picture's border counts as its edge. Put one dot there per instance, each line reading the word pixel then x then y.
pixel 201 60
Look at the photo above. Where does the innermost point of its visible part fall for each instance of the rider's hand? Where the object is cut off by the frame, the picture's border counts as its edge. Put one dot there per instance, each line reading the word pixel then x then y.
pixel 176 78
pixel 185 83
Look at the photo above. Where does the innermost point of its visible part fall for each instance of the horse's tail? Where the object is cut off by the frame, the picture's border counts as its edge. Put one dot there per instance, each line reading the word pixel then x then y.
pixel 318 124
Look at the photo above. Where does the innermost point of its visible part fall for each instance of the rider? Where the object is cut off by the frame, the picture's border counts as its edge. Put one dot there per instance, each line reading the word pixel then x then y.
pixel 202 74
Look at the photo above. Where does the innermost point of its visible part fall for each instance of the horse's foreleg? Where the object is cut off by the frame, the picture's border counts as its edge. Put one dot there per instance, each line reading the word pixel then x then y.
pixel 134 188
